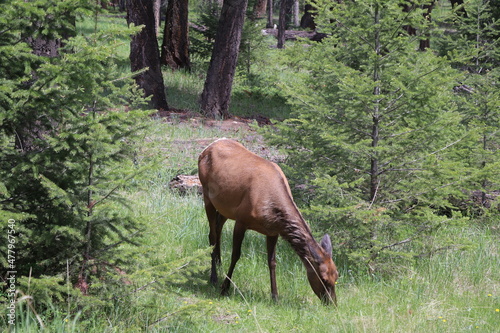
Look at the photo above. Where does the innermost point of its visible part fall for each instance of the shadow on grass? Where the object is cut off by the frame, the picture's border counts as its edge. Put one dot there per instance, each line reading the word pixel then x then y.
pixel 182 99
pixel 256 102
pixel 254 99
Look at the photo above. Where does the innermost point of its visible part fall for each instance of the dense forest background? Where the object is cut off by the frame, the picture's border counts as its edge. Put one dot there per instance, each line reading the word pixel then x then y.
pixel 383 114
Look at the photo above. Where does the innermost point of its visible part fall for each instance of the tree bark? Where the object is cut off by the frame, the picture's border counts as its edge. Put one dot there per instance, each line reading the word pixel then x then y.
pixel 296 13
pixel 144 52
pixel 157 13
pixel 461 11
pixel 216 94
pixel 48 46
pixel 412 31
pixel 259 9
pixel 122 5
pixel 285 11
pixel 307 20
pixel 270 23
pixel 175 48
pixel 32 128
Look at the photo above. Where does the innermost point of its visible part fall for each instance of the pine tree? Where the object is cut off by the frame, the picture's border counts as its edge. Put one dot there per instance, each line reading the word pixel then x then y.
pixel 477 41
pixel 64 190
pixel 376 130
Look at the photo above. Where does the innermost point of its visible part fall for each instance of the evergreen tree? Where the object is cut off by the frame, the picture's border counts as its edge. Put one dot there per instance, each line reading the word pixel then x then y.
pixel 477 41
pixel 202 33
pixel 376 132
pixel 84 116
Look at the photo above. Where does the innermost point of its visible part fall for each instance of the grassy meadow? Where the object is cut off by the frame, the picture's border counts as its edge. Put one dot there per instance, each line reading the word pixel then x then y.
pixel 167 287
pixel 450 292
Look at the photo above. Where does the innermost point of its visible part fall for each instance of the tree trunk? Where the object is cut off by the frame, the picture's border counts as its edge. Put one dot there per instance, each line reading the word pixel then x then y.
pixel 296 13
pixel 175 48
pixel 44 47
pixel 374 160
pixel 122 5
pixel 144 52
pixel 49 46
pixel 216 94
pixel 157 13
pixel 461 11
pixel 259 9
pixel 33 129
pixel 412 31
pixel 307 20
pixel 270 23
pixel 285 10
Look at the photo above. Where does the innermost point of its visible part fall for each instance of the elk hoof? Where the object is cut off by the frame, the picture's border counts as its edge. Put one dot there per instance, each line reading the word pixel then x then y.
pixel 225 288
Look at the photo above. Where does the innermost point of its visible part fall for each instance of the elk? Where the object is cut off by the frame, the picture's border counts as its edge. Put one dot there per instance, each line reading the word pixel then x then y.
pixel 242 186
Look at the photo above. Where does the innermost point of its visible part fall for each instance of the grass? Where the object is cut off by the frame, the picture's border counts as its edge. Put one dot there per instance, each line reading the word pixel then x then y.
pixel 450 292
pixel 183 89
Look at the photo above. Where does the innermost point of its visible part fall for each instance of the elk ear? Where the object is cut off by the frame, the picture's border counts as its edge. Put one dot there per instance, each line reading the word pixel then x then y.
pixel 326 244
pixel 314 253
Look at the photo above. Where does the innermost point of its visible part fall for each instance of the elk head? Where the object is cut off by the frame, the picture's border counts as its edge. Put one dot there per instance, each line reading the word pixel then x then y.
pixel 322 272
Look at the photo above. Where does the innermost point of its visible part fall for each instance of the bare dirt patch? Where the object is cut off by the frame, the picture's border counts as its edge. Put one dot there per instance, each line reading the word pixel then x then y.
pixel 242 128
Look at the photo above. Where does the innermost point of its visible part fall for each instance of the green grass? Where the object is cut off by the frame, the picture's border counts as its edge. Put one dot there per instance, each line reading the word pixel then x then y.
pixel 183 89
pixel 450 292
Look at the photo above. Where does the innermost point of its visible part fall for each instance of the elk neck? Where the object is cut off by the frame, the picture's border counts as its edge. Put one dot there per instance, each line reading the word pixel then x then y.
pixel 297 232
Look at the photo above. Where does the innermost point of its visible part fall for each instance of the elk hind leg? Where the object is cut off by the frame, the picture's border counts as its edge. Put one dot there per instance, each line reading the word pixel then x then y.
pixel 271 261
pixel 216 222
pixel 238 235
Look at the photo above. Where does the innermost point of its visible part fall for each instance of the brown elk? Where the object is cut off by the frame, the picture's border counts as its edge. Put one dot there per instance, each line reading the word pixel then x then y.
pixel 239 185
